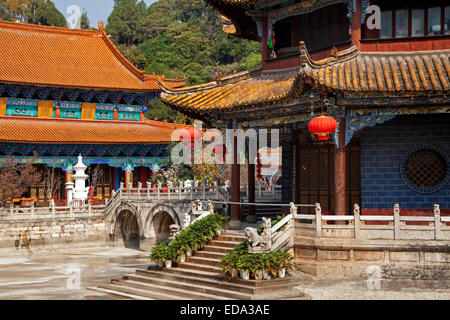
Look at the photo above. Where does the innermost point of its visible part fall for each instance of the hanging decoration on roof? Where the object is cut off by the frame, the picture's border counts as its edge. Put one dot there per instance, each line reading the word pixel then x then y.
pixel 193 134
pixel 322 126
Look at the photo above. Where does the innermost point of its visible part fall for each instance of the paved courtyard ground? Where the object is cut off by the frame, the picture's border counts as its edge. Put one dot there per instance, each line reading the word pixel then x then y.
pixel 65 274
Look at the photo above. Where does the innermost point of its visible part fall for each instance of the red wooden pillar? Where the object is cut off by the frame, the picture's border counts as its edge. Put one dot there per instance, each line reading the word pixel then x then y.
pixel 339 173
pixel 264 46
pixel 251 218
pixel 143 176
pixel 235 215
pixel 356 25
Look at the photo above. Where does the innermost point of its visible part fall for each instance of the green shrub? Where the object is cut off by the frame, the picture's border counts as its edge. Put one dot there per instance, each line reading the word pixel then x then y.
pixel 194 237
pixel 240 259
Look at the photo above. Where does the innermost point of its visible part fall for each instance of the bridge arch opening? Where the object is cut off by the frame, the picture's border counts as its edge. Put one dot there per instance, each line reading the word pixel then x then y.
pixel 159 226
pixel 126 230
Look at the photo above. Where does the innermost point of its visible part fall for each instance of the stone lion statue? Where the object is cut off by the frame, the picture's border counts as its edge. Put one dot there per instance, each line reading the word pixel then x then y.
pixel 253 237
pixel 263 242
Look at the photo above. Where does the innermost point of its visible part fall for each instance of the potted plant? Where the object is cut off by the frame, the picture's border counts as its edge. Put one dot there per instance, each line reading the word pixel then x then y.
pixel 256 266
pixel 169 255
pixel 243 266
pixel 158 251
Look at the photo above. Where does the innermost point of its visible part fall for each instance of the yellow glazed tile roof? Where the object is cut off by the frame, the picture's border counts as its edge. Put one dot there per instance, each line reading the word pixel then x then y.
pixel 352 71
pixel 61 57
pixel 54 131
pixel 349 71
pixel 247 88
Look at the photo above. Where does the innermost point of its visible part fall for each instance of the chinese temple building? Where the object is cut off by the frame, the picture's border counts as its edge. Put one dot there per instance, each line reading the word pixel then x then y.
pixel 65 93
pixel 387 89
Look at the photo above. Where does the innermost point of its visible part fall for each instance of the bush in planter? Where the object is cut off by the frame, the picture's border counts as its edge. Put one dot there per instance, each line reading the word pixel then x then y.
pixel 158 251
pixel 269 263
pixel 193 237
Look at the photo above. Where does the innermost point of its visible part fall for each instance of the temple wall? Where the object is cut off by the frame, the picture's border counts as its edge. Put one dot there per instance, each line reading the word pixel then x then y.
pixel 47 233
pixel 385 146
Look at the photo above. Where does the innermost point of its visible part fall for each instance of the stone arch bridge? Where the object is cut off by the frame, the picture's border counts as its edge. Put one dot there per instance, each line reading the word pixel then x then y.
pixel 138 217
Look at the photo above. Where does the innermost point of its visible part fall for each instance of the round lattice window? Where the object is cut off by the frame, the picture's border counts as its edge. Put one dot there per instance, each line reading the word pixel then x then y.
pixel 425 169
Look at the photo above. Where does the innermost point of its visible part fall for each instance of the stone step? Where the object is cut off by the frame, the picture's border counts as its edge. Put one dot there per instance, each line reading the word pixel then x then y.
pixel 211 288
pixel 122 288
pixel 204 261
pixel 211 248
pixel 170 289
pixel 118 294
pixel 196 266
pixel 224 244
pixel 220 282
pixel 232 238
pixel 200 274
pixel 209 254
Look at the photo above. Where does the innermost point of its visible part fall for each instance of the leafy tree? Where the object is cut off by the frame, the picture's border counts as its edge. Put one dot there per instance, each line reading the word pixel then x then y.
pixel 17 8
pixel 4 12
pixel 84 20
pixel 178 38
pixel 45 12
pixel 16 180
pixel 126 22
pixel 159 110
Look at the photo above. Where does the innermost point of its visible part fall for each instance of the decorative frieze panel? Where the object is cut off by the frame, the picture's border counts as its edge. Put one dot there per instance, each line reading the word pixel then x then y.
pixel 24 149
pixel 357 119
pixel 67 162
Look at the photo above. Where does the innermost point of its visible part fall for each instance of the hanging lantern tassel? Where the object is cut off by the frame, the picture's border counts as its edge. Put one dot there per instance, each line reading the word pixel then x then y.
pixel 322 126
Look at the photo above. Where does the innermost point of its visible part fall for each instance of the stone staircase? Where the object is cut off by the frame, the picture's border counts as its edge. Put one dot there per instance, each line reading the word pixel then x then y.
pixel 199 278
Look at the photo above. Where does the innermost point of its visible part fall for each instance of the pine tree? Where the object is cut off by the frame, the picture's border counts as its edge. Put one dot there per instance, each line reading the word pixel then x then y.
pixel 84 20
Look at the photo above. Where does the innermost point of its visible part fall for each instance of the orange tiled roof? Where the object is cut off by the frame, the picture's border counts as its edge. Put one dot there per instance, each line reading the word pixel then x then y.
pixel 243 89
pixel 61 57
pixel 349 71
pixel 228 26
pixel 52 131
pixel 421 72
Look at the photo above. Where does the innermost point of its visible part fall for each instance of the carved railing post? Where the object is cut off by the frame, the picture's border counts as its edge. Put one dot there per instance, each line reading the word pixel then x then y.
pixel 89 208
pixel 71 209
pixel 204 189
pixel 216 184
pixel 180 188
pixel 148 190
pixel 32 208
pixel 396 221
pixel 139 189
pixel 318 221
pixel 52 206
pixel 159 190
pixel 357 218
pixel 293 210
pixel 437 222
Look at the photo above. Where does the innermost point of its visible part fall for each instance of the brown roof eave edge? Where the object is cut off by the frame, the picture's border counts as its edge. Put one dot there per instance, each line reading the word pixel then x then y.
pixel 78 87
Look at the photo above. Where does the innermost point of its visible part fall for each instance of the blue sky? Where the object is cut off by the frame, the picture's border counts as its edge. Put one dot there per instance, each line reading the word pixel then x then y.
pixel 98 10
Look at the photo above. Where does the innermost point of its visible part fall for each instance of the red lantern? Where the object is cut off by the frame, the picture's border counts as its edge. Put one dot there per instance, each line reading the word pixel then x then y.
pixel 194 134
pixel 91 194
pixel 220 149
pixel 322 126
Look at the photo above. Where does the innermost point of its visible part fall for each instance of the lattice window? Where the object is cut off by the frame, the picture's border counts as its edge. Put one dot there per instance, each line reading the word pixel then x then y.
pixel 426 169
